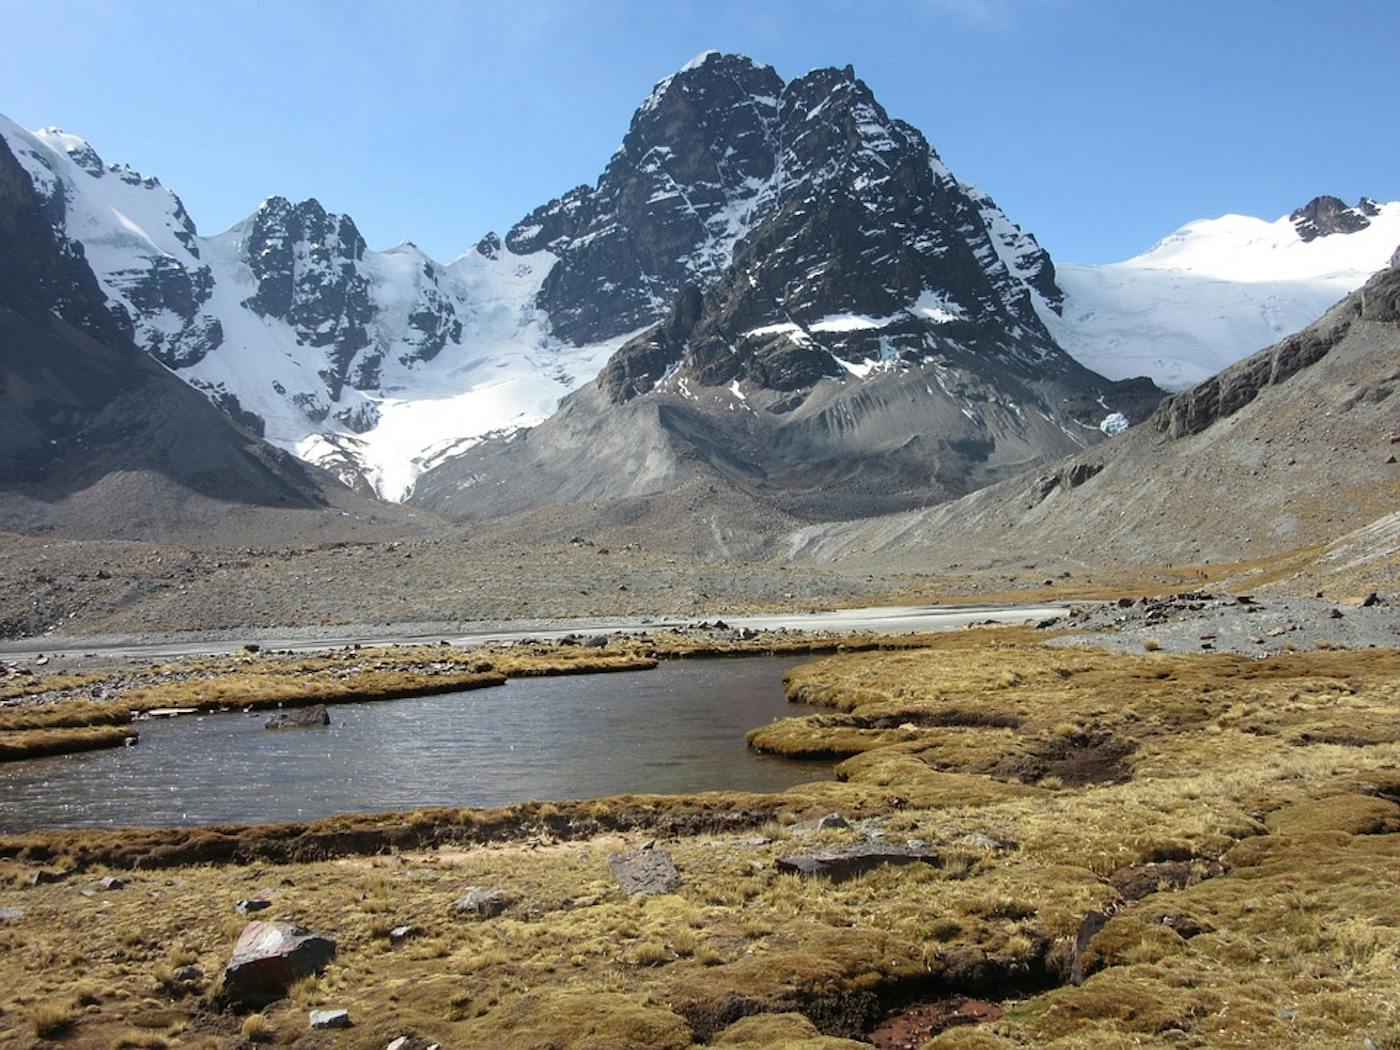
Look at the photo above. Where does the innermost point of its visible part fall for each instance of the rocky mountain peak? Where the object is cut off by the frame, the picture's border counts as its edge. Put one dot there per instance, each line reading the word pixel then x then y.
pixel 1326 215
pixel 724 146
pixel 78 150
pixel 831 318
pixel 489 247
pixel 305 261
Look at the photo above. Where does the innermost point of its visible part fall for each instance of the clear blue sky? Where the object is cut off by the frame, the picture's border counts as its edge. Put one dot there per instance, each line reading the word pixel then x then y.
pixel 1100 125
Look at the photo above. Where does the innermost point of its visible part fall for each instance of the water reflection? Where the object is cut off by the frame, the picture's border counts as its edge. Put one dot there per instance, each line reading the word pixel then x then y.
pixel 679 728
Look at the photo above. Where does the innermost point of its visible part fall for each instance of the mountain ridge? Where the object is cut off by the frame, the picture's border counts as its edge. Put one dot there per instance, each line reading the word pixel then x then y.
pixel 1288 447
pixel 381 365
pixel 102 440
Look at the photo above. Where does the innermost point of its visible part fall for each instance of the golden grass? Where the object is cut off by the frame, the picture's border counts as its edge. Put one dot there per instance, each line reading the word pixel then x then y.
pixel 1249 761
pixel 53 1018
pixel 38 743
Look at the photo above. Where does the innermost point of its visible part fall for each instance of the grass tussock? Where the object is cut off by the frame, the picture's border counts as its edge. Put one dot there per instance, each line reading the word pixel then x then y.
pixel 54 1018
pixel 40 743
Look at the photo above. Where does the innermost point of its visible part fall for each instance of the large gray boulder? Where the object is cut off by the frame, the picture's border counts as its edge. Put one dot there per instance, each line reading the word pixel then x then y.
pixel 270 956
pixel 646 870
pixel 481 902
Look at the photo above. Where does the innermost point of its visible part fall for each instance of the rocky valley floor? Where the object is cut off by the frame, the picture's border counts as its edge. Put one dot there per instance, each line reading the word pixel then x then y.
pixel 1034 846
pixel 440 582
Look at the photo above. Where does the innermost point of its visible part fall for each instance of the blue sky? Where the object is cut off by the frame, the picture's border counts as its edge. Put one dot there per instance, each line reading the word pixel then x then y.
pixel 1100 125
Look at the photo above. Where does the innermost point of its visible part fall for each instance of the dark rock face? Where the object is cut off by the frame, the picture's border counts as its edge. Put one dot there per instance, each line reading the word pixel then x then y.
pixel 666 210
pixel 845 207
pixel 842 324
pixel 645 870
pixel 310 717
pixel 269 957
pixel 849 861
pixel 1324 216
pixel 635 368
pixel 305 260
pixel 310 266
pixel 167 286
pixel 489 247
pixel 41 272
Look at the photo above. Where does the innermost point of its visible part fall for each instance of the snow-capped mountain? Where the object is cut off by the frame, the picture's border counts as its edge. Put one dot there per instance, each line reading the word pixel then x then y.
pixel 368 363
pixel 96 436
pixel 851 329
pixel 1217 290
pixel 815 258
pixel 378 365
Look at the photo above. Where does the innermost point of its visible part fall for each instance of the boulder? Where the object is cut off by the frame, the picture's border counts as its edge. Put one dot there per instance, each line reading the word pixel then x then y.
pixel 481 902
pixel 249 905
pixel 45 877
pixel 832 820
pixel 10 914
pixel 300 718
pixel 412 1042
pixel 323 1019
pixel 399 934
pixel 850 861
pixel 112 882
pixel 270 956
pixel 646 870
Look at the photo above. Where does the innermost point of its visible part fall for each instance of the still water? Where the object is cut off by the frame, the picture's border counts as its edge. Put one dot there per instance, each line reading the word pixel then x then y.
pixel 679 728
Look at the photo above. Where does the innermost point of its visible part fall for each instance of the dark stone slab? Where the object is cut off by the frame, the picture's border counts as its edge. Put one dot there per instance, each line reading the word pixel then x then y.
pixel 849 861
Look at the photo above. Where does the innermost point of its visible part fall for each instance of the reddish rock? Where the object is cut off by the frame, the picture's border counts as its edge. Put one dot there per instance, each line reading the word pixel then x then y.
pixel 270 956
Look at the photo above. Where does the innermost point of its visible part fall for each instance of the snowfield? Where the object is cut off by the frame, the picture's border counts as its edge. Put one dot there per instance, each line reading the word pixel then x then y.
pixel 1212 293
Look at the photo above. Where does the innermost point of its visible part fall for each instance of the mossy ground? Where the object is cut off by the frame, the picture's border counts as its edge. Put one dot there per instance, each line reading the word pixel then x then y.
pixel 1040 775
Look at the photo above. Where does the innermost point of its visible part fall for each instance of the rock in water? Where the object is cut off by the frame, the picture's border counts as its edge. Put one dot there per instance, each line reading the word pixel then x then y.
pixel 841 864
pixel 300 718
pixel 270 956
pixel 481 902
pixel 645 870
